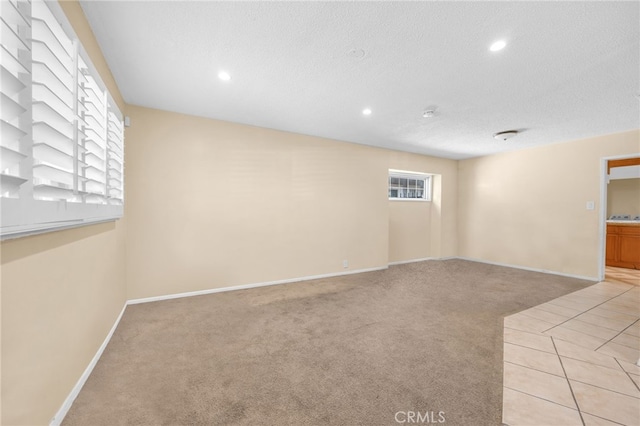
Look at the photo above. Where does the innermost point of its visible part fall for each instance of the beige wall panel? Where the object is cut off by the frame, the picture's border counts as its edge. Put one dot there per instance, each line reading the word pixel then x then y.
pixel 61 294
pixel 623 197
pixel 528 207
pixel 409 230
pixel 214 204
pixel 443 232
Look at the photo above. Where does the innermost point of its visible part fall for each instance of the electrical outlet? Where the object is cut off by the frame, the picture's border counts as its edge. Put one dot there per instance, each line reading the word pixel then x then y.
pixel 345 263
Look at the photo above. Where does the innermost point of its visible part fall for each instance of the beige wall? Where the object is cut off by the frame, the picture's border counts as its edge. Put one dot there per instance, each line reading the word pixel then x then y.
pixel 409 230
pixel 61 293
pixel 214 204
pixel 424 229
pixel 623 197
pixel 528 207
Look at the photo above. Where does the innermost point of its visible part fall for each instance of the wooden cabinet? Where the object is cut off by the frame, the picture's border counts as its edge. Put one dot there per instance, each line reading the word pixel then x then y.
pixel 623 246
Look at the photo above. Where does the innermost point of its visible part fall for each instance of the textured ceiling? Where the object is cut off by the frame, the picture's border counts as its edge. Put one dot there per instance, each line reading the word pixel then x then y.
pixel 570 70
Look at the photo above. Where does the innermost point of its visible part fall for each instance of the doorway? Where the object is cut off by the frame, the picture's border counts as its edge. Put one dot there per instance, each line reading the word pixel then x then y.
pixel 619 244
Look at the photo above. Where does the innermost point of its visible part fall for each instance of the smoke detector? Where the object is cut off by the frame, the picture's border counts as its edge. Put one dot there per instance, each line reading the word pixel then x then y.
pixel 507 134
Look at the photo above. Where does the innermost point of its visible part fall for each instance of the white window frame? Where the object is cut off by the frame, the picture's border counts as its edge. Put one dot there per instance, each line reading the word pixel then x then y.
pixel 32 199
pixel 418 176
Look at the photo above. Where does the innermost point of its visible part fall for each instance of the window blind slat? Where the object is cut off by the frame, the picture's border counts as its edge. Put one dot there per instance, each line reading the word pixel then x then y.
pixel 49 153
pixel 11 135
pixel 9 185
pixel 53 173
pixel 10 109
pixel 62 66
pixel 49 190
pixel 61 46
pixel 12 40
pixel 94 145
pixel 44 133
pixel 43 75
pixel 94 123
pixel 45 95
pixel 43 112
pixel 93 160
pixel 40 12
pixel 9 157
pixel 15 13
pixel 14 63
pixel 10 84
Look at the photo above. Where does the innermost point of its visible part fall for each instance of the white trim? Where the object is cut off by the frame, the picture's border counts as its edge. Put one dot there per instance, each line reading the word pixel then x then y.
pixel 402 262
pixel 423 200
pixel 66 405
pixel 526 268
pixel 409 174
pixel 43 228
pixel 247 286
pixel 602 219
pixel 622 156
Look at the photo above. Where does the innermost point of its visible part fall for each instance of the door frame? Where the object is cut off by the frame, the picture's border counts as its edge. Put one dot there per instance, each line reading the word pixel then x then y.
pixel 602 218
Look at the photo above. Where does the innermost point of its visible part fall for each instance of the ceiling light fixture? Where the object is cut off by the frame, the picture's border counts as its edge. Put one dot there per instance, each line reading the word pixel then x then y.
pixel 224 76
pixel 428 113
pixel 366 111
pixel 507 134
pixel 356 53
pixel 498 45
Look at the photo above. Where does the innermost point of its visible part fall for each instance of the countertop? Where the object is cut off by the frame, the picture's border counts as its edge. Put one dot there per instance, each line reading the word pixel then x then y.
pixel 624 222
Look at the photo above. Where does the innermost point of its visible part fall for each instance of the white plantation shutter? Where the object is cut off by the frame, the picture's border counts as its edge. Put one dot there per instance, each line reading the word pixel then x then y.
pixel 62 146
pixel 93 132
pixel 53 107
pixel 15 83
pixel 115 158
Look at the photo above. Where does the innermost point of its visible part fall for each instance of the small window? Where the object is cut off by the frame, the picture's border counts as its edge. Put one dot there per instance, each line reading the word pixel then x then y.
pixel 409 186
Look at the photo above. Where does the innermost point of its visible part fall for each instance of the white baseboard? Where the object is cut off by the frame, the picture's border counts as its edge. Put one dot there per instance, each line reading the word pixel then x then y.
pixel 247 286
pixel 402 262
pixel 66 405
pixel 526 268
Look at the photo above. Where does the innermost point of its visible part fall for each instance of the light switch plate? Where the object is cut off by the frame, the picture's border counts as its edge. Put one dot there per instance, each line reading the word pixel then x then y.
pixel 591 205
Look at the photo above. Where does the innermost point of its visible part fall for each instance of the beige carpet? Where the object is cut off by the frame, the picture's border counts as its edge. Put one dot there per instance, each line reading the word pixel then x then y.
pixel 356 350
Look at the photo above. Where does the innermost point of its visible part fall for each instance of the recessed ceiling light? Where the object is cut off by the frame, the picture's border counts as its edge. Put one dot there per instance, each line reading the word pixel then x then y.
pixel 224 76
pixel 356 53
pixel 366 111
pixel 498 45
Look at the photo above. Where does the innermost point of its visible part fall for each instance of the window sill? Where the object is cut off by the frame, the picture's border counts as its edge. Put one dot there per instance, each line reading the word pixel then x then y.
pixel 26 231
pixel 420 200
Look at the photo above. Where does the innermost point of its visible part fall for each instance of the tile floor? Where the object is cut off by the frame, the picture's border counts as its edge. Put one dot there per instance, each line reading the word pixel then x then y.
pixel 572 361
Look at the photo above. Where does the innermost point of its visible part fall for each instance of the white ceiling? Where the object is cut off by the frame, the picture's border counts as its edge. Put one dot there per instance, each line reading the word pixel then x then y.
pixel 570 69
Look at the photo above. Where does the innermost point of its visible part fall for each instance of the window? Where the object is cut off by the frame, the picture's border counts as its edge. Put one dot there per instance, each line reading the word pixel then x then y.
pixel 409 185
pixel 62 145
